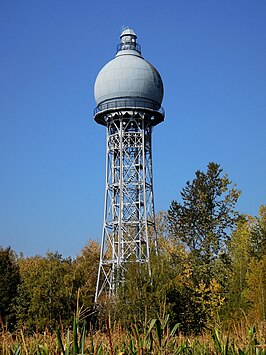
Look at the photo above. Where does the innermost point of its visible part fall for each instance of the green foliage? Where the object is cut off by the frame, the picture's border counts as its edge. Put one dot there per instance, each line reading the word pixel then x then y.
pixel 136 299
pixel 86 270
pixel 248 264
pixel 9 281
pixel 205 218
pixel 195 307
pixel 202 224
pixel 77 346
pixel 256 288
pixel 170 289
pixel 47 292
pixel 204 273
pixel 239 253
pixel 258 235
pixel 256 275
pixel 50 286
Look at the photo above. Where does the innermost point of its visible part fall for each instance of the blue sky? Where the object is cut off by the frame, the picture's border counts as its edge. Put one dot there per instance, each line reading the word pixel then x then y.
pixel 211 55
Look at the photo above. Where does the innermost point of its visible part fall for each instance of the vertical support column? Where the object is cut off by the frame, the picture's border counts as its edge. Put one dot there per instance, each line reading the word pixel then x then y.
pixel 145 149
pixel 104 236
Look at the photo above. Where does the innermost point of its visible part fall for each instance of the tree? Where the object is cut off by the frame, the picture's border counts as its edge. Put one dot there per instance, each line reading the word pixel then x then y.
pixel 258 234
pixel 205 219
pixel 48 291
pixel 9 281
pixel 202 225
pixel 247 251
pixel 86 269
pixel 239 254
pixel 256 291
pixel 142 295
pixel 256 275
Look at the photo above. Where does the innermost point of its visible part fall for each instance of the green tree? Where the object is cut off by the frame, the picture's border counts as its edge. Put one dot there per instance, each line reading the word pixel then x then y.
pixel 202 224
pixel 86 270
pixel 239 253
pixel 191 302
pixel 48 291
pixel 169 289
pixel 9 281
pixel 247 286
pixel 258 234
pixel 204 221
pixel 142 295
pixel 256 291
pixel 256 275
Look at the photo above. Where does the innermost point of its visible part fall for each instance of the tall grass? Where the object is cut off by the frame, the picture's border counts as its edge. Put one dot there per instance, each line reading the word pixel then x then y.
pixel 154 338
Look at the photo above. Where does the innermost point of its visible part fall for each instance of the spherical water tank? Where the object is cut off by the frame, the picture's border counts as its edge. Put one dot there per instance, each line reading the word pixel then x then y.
pixel 128 78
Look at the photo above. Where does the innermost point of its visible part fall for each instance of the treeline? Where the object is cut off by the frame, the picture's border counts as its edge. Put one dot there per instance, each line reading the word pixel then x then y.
pixel 211 268
pixel 41 292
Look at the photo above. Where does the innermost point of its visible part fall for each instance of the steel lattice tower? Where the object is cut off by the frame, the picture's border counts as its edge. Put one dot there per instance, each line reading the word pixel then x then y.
pixel 128 93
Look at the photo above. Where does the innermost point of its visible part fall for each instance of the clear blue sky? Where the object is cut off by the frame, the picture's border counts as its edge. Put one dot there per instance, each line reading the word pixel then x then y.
pixel 212 58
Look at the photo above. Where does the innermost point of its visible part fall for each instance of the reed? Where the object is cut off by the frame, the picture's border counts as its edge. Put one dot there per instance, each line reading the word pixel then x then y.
pixel 156 337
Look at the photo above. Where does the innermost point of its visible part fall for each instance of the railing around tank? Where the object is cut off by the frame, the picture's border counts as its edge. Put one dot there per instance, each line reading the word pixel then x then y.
pixel 128 103
pixel 128 45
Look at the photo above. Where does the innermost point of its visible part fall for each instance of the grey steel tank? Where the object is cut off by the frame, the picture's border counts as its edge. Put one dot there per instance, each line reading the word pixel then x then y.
pixel 129 81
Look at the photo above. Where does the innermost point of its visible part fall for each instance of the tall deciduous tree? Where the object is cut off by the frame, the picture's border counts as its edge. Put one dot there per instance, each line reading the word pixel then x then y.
pixel 202 223
pixel 204 220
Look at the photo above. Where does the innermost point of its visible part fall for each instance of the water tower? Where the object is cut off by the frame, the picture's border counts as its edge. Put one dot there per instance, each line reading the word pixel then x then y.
pixel 128 93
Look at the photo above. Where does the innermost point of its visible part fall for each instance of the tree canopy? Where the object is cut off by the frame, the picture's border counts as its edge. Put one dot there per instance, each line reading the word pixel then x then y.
pixel 204 219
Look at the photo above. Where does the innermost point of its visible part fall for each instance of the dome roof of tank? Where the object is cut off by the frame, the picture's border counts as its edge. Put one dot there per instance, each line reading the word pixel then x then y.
pixel 128 31
pixel 128 75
